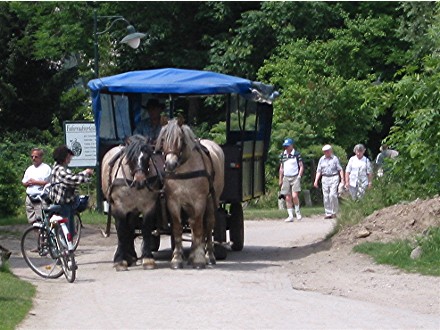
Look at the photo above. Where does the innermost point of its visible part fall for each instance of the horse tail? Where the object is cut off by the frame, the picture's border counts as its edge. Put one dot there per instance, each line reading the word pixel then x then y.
pixel 211 176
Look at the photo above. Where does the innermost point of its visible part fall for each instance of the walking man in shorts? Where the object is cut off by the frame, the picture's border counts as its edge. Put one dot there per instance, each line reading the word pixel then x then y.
pixel 290 173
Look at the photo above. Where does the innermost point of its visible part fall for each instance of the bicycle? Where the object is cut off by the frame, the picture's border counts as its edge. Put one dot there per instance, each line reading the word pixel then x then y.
pixel 82 205
pixel 47 246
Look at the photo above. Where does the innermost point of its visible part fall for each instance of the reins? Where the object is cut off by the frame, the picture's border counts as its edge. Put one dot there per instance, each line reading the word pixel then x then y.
pixel 114 181
pixel 197 174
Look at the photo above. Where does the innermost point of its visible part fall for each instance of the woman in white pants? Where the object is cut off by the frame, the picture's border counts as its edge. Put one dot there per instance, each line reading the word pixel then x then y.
pixel 358 174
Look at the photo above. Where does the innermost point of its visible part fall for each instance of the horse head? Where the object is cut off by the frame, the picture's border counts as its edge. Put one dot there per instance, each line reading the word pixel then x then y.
pixel 173 140
pixel 138 154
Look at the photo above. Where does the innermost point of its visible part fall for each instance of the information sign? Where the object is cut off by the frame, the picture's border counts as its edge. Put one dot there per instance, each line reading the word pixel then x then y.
pixel 80 137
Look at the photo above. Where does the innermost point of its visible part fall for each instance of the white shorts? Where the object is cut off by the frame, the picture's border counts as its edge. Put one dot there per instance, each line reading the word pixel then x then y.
pixel 290 184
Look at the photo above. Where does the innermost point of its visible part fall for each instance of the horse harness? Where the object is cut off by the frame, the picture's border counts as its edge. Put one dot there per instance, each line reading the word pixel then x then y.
pixel 196 174
pixel 119 157
pixel 113 181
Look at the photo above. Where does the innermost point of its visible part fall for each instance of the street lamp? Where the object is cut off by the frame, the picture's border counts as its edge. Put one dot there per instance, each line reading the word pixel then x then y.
pixel 133 38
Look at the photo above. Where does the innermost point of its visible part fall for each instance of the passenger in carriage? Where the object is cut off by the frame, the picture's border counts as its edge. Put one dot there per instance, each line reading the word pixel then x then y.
pixel 150 126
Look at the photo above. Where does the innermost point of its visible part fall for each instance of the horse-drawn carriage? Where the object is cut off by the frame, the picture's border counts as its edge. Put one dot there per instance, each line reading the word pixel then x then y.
pixel 117 102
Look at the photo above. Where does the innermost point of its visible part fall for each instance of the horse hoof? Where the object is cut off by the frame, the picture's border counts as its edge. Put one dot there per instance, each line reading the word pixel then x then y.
pixel 176 265
pixel 199 266
pixel 121 266
pixel 131 261
pixel 148 264
pixel 210 259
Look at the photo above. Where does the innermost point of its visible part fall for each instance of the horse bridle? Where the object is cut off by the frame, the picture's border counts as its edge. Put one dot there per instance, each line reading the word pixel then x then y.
pixel 149 180
pixel 178 154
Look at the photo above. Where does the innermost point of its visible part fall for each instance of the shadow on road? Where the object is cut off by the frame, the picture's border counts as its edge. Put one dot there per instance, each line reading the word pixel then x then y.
pixel 252 257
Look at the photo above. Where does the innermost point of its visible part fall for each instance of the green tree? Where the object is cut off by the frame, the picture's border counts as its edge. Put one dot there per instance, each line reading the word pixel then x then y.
pixel 325 84
pixel 416 133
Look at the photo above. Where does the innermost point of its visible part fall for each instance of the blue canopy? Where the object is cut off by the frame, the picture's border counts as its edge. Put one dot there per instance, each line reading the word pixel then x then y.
pixel 183 82
pixel 172 81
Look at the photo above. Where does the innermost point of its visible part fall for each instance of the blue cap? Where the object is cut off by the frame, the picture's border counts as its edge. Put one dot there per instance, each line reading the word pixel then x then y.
pixel 287 142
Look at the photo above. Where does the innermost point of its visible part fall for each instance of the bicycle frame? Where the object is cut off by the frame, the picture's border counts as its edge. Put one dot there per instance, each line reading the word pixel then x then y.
pixel 55 241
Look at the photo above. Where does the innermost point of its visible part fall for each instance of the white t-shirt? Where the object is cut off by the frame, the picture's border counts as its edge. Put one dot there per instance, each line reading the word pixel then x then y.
pixel 291 163
pixel 40 173
pixel 359 170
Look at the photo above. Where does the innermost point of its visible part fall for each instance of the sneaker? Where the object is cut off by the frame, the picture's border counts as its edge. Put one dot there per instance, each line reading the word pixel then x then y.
pixel 289 219
pixel 328 216
pixel 298 215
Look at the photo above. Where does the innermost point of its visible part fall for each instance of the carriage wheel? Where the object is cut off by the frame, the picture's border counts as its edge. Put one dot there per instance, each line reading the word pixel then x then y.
pixel 220 234
pixel 236 227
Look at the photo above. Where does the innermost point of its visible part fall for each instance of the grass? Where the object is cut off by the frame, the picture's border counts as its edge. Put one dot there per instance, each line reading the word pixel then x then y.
pixel 259 214
pixel 15 298
pixel 398 253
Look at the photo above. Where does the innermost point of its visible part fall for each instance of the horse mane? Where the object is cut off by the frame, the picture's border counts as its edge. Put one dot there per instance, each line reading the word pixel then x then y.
pixel 134 147
pixel 170 131
pixel 190 137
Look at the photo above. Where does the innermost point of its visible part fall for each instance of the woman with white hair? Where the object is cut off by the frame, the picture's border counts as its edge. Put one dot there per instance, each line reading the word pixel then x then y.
pixel 358 174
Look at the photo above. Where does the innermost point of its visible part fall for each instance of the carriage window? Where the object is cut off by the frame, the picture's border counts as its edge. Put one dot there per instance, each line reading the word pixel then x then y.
pixel 243 114
pixel 115 118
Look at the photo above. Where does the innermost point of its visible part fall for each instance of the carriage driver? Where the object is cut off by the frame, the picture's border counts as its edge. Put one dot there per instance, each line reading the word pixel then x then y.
pixel 150 127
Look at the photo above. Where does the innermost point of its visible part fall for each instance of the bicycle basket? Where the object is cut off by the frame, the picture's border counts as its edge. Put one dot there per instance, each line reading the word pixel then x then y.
pixel 83 203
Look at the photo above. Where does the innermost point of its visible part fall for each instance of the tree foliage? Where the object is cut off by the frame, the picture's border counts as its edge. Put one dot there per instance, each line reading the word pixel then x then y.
pixel 348 72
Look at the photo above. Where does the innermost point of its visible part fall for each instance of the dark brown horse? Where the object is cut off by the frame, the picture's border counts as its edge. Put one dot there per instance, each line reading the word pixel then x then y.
pixel 131 184
pixel 194 174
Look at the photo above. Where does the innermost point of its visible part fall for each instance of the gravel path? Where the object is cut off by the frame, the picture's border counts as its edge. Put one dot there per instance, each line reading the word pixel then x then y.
pixel 285 277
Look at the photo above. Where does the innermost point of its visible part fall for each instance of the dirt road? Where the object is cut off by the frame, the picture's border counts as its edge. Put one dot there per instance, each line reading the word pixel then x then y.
pixel 283 279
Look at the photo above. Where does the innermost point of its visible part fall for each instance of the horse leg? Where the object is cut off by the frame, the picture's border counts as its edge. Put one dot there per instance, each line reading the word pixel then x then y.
pixel 119 262
pixel 131 256
pixel 147 256
pixel 177 259
pixel 197 257
pixel 209 223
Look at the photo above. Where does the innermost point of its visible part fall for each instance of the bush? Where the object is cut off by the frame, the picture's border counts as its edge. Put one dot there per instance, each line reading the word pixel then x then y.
pixel 14 150
pixel 9 189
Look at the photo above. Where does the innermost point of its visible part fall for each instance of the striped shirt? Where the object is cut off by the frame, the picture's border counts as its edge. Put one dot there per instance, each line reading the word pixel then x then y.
pixel 329 166
pixel 290 163
pixel 64 184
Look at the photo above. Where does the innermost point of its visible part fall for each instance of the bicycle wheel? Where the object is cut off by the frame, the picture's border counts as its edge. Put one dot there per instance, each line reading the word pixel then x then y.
pixel 35 251
pixel 66 258
pixel 78 227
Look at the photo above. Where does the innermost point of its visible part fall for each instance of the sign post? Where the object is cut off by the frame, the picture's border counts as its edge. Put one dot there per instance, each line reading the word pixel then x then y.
pixel 80 137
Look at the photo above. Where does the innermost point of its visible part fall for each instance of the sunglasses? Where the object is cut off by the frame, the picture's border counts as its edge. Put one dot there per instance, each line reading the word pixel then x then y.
pixel 35 157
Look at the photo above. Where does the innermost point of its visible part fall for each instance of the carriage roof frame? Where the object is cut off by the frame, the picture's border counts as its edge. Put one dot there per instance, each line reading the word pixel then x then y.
pixel 173 83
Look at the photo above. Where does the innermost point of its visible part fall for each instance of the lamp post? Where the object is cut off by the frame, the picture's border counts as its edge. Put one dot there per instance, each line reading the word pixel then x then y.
pixel 132 39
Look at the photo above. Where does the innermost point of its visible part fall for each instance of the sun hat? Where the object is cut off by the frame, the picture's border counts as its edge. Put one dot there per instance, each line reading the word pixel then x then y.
pixel 287 142
pixel 326 147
